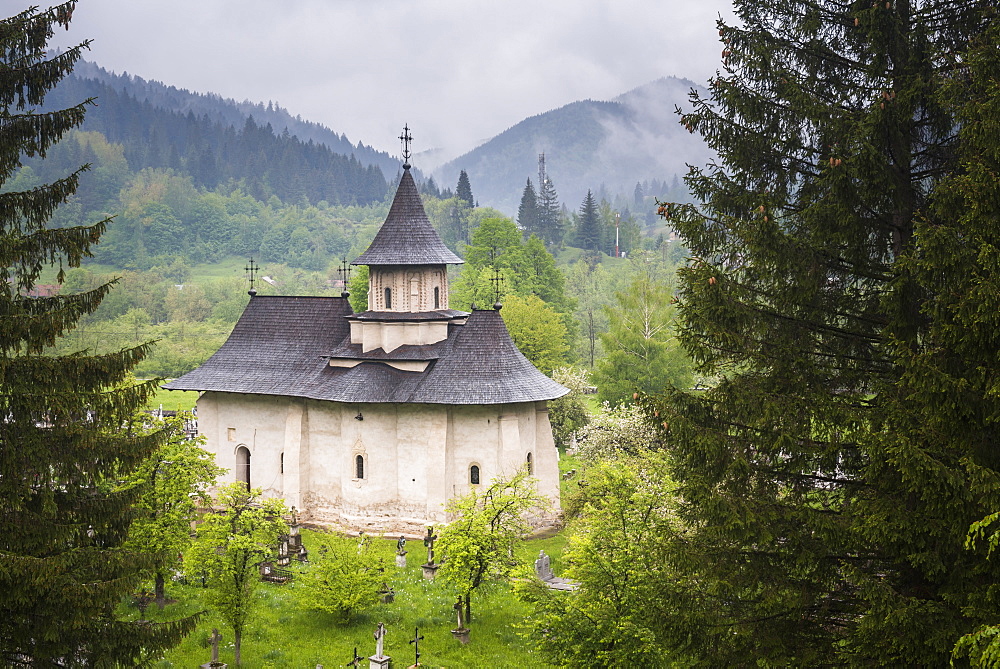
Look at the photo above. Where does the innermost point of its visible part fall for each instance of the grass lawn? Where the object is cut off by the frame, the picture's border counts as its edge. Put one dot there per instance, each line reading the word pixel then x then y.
pixel 283 635
pixel 173 400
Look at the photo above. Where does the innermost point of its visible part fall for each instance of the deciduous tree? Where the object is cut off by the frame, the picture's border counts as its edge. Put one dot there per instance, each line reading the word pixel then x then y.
pixel 481 542
pixel 344 574
pixel 231 544
pixel 174 483
pixel 641 352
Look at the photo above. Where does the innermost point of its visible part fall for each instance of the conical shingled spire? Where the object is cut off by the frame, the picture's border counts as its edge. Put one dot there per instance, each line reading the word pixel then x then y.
pixel 407 236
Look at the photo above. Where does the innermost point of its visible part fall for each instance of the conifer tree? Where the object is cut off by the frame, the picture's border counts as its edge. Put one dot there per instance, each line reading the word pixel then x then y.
pixel 588 231
pixel 527 212
pixel 63 518
pixel 830 473
pixel 464 189
pixel 549 214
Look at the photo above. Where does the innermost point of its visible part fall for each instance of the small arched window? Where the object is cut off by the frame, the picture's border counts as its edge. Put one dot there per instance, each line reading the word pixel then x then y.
pixel 474 474
pixel 359 466
pixel 281 464
pixel 243 465
pixel 388 298
pixel 437 297
pixel 528 461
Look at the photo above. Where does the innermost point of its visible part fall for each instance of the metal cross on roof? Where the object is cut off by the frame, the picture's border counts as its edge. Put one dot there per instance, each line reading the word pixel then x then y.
pixel 406 138
pixel 496 281
pixel 345 275
pixel 417 638
pixel 251 270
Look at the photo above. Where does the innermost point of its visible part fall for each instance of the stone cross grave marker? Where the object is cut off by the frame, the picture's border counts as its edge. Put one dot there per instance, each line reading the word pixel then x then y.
pixel 429 542
pixel 379 637
pixel 216 638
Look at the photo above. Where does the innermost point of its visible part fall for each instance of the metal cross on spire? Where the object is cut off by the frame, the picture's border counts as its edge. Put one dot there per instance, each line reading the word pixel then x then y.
pixel 406 138
pixel 345 275
pixel 251 270
pixel 497 280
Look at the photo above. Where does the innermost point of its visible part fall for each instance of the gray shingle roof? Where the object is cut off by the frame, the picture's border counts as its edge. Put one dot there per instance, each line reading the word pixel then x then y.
pixel 407 236
pixel 275 347
pixel 280 346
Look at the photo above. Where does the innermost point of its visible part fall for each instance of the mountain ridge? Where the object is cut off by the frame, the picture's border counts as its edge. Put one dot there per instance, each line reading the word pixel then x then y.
pixel 587 144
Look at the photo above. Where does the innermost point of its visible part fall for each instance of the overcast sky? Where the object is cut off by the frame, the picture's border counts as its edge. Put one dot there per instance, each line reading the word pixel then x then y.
pixel 457 71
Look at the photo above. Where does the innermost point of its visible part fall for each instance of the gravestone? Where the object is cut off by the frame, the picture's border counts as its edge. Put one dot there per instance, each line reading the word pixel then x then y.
pixel 461 632
pixel 543 567
pixel 430 569
pixel 214 662
pixel 379 660
pixel 543 570
pixel 401 552
pixel 387 593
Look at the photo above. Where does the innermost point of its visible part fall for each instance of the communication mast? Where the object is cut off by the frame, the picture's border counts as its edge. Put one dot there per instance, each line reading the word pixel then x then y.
pixel 542 178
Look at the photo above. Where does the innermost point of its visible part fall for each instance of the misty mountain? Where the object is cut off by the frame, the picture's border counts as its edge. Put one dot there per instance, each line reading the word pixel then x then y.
pixel 229 112
pixel 587 144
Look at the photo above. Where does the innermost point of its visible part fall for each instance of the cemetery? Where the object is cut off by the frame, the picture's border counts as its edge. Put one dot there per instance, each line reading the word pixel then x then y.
pixel 283 633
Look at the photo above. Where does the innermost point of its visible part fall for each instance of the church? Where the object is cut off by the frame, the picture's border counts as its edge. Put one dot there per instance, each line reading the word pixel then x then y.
pixel 374 420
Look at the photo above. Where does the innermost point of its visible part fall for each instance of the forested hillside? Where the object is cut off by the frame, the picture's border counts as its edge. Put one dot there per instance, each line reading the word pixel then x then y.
pixel 214 152
pixel 230 112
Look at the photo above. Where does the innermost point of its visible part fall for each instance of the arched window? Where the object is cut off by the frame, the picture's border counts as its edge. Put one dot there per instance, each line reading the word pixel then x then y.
pixel 528 461
pixel 281 464
pixel 474 474
pixel 243 465
pixel 388 298
pixel 437 297
pixel 359 466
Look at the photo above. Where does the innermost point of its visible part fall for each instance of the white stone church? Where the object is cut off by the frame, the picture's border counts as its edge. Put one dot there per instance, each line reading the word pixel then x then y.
pixel 374 420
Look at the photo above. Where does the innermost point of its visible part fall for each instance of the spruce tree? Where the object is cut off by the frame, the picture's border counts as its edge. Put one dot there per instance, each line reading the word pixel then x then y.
pixel 527 211
pixel 63 450
pixel 844 305
pixel 464 189
pixel 549 214
pixel 588 231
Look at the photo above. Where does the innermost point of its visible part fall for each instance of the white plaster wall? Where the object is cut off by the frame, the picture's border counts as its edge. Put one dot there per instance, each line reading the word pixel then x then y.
pixel 259 422
pixel 417 456
pixel 390 336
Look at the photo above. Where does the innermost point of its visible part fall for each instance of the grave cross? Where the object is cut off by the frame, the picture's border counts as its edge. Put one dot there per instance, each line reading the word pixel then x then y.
pixel 379 636
pixel 216 638
pixel 417 638
pixel 458 606
pixel 356 662
pixel 429 542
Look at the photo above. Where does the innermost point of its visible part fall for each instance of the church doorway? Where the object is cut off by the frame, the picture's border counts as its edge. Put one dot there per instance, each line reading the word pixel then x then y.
pixel 243 465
